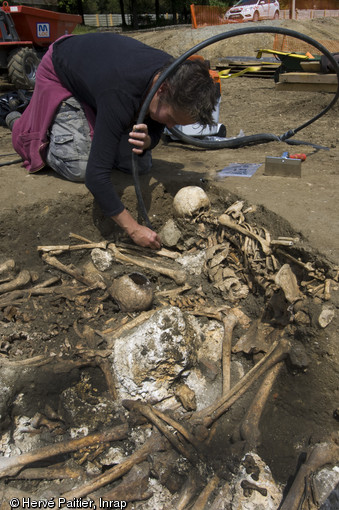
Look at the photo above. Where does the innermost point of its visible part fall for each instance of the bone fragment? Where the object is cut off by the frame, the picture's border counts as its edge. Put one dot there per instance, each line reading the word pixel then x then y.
pixel 9 466
pixel 202 500
pixel 226 221
pixel 327 290
pixel 80 238
pixel 326 316
pixel 177 426
pixel 249 487
pixel 249 427
pixel 154 444
pixel 281 242
pixel 287 281
pixel 163 252
pixel 72 247
pixel 75 273
pixel 6 266
pixel 21 280
pixel 106 369
pixel 133 487
pixel 307 266
pixel 229 322
pixel 147 411
pixel 320 455
pixel 36 361
pixel 11 297
pixel 276 353
pixel 178 275
pixel 189 490
pixel 122 328
pixel 50 473
pixel 172 293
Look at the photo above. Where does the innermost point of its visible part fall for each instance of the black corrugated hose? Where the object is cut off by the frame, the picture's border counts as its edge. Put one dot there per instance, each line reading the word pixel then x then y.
pixel 239 141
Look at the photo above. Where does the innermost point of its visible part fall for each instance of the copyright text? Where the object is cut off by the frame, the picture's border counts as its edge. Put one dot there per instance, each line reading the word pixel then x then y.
pixel 65 503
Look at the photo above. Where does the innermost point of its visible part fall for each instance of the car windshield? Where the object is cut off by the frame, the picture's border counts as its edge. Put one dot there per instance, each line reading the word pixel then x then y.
pixel 246 2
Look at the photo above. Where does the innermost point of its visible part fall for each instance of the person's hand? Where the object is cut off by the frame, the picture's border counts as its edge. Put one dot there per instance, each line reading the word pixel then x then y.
pixel 141 235
pixel 144 236
pixel 139 138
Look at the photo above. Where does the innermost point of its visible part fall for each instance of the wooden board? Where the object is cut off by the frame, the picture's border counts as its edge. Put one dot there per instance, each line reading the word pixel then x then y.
pixel 308 78
pixel 312 82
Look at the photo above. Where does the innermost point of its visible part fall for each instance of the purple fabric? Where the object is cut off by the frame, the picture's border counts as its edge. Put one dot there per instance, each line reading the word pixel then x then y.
pixel 29 135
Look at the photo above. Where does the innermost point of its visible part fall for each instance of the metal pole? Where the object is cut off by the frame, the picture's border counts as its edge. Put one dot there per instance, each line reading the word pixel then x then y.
pixel 293 9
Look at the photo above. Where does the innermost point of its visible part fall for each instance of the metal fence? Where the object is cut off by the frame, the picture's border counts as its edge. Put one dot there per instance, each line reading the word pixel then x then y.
pixel 115 20
pixel 310 13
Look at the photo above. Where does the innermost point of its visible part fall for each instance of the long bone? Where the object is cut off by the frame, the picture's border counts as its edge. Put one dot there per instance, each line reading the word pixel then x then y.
pixel 154 444
pixel 249 427
pixel 278 351
pixel 9 466
pixel 178 275
pixel 203 497
pixel 147 411
pixel 229 323
pixel 320 455
pixel 226 221
pixel 72 247
pixel 75 273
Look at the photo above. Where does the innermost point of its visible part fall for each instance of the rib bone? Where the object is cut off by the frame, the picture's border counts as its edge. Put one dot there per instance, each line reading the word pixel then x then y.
pixel 226 221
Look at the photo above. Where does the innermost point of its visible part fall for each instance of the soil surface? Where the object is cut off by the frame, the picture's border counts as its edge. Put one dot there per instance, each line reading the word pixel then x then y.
pixel 42 209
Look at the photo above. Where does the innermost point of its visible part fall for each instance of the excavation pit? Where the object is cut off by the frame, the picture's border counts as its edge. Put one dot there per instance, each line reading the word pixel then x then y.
pixel 73 364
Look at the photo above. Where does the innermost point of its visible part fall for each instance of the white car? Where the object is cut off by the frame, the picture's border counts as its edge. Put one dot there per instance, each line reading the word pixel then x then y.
pixel 253 10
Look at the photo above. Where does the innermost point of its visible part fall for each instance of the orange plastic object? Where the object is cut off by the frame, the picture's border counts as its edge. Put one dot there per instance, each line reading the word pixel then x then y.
pixel 298 156
pixel 40 26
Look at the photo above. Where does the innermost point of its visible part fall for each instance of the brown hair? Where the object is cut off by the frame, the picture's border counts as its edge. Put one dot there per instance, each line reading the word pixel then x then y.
pixel 191 89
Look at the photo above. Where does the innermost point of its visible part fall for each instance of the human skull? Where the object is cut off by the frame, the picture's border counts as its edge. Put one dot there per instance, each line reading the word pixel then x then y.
pixel 190 200
pixel 133 292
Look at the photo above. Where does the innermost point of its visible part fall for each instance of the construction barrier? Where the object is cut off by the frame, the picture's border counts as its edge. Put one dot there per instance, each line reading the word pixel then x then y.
pixel 205 15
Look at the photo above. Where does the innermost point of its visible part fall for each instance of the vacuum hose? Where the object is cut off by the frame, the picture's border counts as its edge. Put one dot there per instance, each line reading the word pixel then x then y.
pixel 235 142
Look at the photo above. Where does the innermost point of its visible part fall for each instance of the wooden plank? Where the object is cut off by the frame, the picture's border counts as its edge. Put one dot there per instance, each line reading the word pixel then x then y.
pixel 307 87
pixel 308 78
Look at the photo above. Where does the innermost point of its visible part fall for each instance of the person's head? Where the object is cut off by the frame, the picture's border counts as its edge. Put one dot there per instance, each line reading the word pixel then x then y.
pixel 188 95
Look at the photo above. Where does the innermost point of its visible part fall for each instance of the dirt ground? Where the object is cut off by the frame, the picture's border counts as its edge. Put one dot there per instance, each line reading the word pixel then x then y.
pixel 43 209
